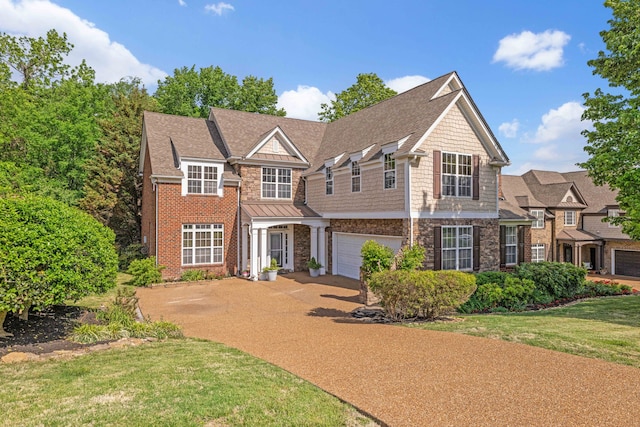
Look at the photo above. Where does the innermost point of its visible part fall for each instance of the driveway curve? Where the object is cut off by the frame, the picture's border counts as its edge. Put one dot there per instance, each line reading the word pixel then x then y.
pixel 402 376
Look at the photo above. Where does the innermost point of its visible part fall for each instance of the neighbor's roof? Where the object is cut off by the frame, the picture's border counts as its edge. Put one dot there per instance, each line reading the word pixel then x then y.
pixel 576 235
pixel 551 187
pixel 517 193
pixel 598 198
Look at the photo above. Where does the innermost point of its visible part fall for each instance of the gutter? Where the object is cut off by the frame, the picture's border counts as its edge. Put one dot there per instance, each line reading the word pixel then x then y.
pixel 239 236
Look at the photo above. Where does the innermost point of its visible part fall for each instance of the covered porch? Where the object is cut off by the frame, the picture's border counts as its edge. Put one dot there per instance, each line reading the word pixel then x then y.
pixel 581 249
pixel 290 234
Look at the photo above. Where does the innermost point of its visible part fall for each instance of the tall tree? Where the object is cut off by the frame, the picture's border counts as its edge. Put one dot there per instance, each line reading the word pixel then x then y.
pixel 614 143
pixel 113 187
pixel 368 90
pixel 190 92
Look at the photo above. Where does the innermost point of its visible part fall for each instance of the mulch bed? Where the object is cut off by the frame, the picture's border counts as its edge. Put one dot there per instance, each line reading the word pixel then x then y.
pixel 45 331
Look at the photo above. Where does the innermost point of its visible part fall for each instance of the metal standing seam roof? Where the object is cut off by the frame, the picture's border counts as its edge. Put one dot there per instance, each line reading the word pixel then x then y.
pixel 257 210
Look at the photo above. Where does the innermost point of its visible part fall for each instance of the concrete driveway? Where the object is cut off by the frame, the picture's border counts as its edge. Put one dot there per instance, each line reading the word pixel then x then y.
pixel 402 376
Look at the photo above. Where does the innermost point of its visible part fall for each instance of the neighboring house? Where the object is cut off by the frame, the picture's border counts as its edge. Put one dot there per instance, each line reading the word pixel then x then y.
pixel 568 227
pixel 233 192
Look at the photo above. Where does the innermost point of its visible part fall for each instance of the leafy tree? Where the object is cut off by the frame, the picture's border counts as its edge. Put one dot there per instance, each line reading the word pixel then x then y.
pixel 190 93
pixel 614 144
pixel 49 253
pixel 368 90
pixel 113 188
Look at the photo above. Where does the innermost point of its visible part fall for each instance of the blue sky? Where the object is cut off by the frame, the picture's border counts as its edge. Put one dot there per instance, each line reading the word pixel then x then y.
pixel 523 62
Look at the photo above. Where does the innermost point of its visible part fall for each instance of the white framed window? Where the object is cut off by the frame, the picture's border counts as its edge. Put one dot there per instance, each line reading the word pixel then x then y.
pixel 456 175
pixel 457 248
pixel 537 252
pixel 389 171
pixel 276 183
pixel 328 181
pixel 613 213
pixel 355 177
pixel 201 179
pixel 511 244
pixel 539 215
pixel 202 244
pixel 569 218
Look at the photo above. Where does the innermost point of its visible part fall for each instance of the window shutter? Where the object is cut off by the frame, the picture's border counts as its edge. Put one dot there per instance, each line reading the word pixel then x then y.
pixel 503 246
pixel 476 177
pixel 476 248
pixel 437 248
pixel 521 230
pixel 437 164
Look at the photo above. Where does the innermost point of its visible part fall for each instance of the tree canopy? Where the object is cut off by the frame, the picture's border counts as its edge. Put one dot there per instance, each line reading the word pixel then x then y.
pixel 368 90
pixel 614 143
pixel 190 92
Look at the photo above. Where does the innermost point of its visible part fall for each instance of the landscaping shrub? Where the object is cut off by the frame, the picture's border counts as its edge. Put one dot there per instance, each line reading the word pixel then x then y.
pixel 410 258
pixel 605 288
pixel 375 257
pixel 560 280
pixel 513 294
pixel 130 253
pixel 145 272
pixel 193 275
pixel 496 277
pixel 405 294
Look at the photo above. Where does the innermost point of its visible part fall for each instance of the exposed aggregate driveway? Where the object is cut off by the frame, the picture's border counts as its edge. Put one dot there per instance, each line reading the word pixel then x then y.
pixel 402 376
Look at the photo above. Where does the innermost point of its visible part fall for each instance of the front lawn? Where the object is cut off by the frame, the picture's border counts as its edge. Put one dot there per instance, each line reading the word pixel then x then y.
pixel 172 383
pixel 602 328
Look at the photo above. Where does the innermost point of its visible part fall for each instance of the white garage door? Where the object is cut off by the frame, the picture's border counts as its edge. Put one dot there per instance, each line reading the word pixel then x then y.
pixel 346 251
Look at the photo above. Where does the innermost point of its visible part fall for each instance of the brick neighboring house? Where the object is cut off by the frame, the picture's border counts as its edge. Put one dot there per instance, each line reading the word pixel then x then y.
pixel 569 210
pixel 233 192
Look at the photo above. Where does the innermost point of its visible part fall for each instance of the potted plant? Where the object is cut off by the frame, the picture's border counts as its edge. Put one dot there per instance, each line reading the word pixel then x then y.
pixel 272 270
pixel 245 273
pixel 314 267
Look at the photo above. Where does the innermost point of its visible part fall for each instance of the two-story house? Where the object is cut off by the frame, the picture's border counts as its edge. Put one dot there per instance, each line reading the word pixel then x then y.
pixel 568 227
pixel 236 190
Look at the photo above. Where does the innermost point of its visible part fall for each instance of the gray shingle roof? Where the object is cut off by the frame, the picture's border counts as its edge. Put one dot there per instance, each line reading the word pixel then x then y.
pixel 598 198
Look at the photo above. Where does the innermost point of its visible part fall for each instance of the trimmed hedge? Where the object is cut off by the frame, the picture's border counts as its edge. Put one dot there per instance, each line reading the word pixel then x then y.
pixel 428 294
pixel 559 280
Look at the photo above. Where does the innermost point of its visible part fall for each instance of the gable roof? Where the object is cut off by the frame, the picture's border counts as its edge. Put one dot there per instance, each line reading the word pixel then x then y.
pixel 168 136
pixel 598 198
pixel 551 188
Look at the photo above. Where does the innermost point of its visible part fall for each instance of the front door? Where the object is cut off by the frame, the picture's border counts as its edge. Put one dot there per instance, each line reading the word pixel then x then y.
pixel 568 253
pixel 277 247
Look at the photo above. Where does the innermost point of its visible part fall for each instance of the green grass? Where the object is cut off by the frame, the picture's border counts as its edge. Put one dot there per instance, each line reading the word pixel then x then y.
pixel 602 328
pixel 172 383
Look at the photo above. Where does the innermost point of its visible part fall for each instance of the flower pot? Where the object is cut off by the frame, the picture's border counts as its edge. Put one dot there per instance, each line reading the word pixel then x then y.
pixel 314 272
pixel 271 275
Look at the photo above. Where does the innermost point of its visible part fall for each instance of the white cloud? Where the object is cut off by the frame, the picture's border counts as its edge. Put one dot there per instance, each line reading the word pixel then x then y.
pixel 304 102
pixel 563 123
pixel 539 52
pixel 509 129
pixel 218 8
pixel 182 2
pixel 403 84
pixel 111 60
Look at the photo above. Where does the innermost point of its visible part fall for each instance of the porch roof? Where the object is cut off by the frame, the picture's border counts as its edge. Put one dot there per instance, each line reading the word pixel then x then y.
pixel 577 236
pixel 255 210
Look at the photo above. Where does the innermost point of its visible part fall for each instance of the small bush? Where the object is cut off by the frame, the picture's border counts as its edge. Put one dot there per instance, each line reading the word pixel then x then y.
pixel 192 275
pixel 517 293
pixel 145 272
pixel 130 253
pixel 560 280
pixel 496 277
pixel 410 258
pixel 375 257
pixel 512 295
pixel 405 294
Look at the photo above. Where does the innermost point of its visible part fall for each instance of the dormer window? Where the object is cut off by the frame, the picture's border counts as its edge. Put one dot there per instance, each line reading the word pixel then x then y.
pixel 201 178
pixel 328 179
pixel 389 171
pixel 613 213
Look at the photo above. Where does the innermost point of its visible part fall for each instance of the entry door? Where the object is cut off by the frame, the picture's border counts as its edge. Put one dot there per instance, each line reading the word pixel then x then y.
pixel 277 247
pixel 568 253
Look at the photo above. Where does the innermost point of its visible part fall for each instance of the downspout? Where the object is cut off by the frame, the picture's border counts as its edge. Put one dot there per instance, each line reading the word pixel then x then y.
pixel 238 236
pixel 155 188
pixel 304 179
pixel 408 197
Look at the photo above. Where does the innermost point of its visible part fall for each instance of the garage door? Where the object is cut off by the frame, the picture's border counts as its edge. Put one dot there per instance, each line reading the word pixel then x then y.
pixel 627 263
pixel 346 254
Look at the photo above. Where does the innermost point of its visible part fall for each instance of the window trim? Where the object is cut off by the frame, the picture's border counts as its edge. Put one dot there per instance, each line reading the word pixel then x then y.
pixel 276 183
pixel 513 245
pixel 538 219
pixel 192 229
pixel 387 160
pixel 217 182
pixel 328 181
pixel 457 248
pixel 613 213
pixel 457 175
pixel 535 249
pixel 574 217
pixel 356 177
